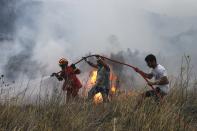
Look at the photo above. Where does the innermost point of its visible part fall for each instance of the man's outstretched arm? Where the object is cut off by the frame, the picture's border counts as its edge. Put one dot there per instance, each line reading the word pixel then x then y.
pixel 105 65
pixel 57 76
pixel 146 75
pixel 90 63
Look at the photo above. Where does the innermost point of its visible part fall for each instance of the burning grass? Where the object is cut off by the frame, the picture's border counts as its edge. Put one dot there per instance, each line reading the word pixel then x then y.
pixel 92 81
pixel 118 114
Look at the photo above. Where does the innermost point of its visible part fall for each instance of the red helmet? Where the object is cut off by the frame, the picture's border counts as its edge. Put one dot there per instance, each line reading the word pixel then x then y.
pixel 63 61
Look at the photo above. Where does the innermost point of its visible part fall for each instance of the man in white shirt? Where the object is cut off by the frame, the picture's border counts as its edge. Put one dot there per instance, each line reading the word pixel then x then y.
pixel 159 73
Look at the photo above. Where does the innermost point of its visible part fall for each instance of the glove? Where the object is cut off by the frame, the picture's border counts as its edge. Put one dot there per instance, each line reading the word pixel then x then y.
pixel 60 78
pixel 73 66
pixel 53 74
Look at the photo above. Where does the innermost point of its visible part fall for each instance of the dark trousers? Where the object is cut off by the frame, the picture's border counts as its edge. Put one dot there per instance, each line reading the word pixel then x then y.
pixel 97 89
pixel 153 93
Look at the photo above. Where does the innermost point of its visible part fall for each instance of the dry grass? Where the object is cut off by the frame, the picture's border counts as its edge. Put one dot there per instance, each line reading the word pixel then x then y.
pixel 117 115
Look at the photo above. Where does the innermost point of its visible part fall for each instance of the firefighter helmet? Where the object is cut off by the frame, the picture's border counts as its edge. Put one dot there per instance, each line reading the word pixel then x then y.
pixel 63 61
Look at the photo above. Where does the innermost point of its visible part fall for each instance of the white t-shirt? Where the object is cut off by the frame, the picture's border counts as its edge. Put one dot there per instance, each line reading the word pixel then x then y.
pixel 158 73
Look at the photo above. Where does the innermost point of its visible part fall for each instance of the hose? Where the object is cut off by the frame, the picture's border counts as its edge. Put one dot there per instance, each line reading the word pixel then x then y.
pixel 122 63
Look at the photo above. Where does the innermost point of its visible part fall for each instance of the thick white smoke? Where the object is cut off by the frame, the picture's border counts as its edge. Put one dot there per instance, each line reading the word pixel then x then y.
pixel 72 28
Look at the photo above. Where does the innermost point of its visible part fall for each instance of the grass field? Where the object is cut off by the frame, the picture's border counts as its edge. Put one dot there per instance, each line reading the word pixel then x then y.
pixel 175 113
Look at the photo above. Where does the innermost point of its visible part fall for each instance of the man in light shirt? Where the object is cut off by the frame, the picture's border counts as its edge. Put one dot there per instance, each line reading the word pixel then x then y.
pixel 159 73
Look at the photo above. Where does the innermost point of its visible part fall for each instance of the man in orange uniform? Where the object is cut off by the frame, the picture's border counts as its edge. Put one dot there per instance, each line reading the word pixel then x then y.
pixel 71 84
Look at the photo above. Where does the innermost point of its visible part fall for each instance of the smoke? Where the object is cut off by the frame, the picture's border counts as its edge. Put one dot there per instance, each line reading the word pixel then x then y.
pixel 36 33
pixel 7 17
pixel 22 64
pixel 38 38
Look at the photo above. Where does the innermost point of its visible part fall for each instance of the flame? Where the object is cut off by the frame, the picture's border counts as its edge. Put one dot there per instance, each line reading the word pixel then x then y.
pixel 98 98
pixel 113 89
pixel 93 77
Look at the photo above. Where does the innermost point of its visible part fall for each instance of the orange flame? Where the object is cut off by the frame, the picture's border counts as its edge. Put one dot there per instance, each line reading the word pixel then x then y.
pixel 113 90
pixel 93 77
pixel 98 98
